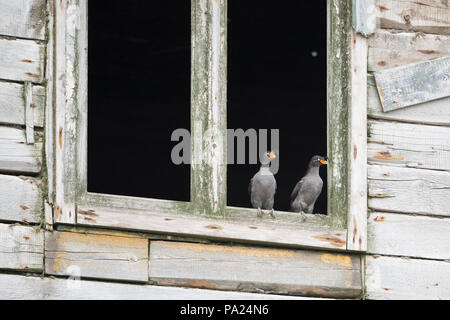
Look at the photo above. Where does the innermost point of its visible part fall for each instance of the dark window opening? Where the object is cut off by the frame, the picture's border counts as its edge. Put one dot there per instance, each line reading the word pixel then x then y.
pixel 277 80
pixel 139 93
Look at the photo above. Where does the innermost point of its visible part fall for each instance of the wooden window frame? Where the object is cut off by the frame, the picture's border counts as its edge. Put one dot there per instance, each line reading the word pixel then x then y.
pixel 207 214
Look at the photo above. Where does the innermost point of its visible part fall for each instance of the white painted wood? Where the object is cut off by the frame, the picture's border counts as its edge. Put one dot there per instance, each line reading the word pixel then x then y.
pixel 415 83
pixel 50 144
pixel 21 248
pixel 436 112
pixel 16 155
pixel 66 24
pixel 401 278
pixel 82 100
pixel 406 235
pixel 179 223
pixel 409 190
pixel 21 60
pixel 364 16
pixel 20 199
pixel 29 112
pixel 17 287
pixel 96 256
pixel 429 16
pixel 23 18
pixel 12 104
pixel 357 214
pixel 252 269
pixel 388 50
pixel 409 145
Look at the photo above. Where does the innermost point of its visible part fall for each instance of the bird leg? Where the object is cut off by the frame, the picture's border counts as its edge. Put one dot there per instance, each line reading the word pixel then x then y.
pixel 259 213
pixel 303 216
pixel 272 213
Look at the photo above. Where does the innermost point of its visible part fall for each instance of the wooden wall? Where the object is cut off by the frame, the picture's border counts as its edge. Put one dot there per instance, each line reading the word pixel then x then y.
pixel 409 191
pixel 409 162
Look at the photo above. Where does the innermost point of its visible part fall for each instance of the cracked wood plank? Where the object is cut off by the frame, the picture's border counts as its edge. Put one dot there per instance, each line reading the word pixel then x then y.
pixel 409 190
pixel 406 235
pixel 96 256
pixel 431 112
pixel 21 199
pixel 17 287
pixel 23 18
pixel 388 50
pixel 409 145
pixel 429 16
pixel 22 60
pixel 408 85
pixel 357 184
pixel 235 268
pixel 15 155
pixel 12 102
pixel 172 218
pixel 21 248
pixel 402 278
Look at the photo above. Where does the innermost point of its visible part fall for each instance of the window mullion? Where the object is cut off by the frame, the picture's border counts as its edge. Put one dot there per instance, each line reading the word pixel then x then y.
pixel 208 106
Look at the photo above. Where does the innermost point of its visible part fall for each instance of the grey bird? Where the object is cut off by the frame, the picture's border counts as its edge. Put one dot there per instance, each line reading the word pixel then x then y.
pixel 262 186
pixel 308 189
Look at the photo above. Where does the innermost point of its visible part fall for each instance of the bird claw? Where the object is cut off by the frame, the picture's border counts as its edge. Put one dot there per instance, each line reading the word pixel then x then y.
pixel 303 216
pixel 321 216
pixel 272 213
pixel 259 213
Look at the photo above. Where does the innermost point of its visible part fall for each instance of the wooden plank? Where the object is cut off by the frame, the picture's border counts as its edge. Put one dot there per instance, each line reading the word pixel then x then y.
pixel 294 272
pixel 23 18
pixel 432 112
pixel 12 104
pixel 357 214
pixel 409 190
pixel 179 223
pixel 15 155
pixel 22 60
pixel 401 278
pixel 339 48
pixel 364 16
pixel 67 19
pixel 50 144
pixel 29 112
pixel 21 199
pixel 408 85
pixel 81 72
pixel 388 50
pixel 431 16
pixel 96 256
pixel 21 248
pixel 208 106
pixel 16 287
pixel 410 145
pixel 406 235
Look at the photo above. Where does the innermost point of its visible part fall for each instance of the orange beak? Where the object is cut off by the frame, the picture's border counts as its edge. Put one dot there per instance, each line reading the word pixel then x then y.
pixel 323 162
pixel 272 155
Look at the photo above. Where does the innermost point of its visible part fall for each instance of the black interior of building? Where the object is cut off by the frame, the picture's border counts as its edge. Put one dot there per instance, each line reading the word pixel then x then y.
pixel 139 92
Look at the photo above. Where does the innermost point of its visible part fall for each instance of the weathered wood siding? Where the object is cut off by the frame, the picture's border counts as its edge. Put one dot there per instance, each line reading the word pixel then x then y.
pixel 23 18
pixel 408 184
pixel 96 256
pixel 21 248
pixel 295 272
pixel 405 278
pixel 36 288
pixel 409 161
